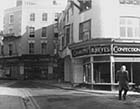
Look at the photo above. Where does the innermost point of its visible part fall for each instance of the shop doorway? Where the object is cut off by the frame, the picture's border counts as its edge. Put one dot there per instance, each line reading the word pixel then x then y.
pixel 129 68
pixel 136 73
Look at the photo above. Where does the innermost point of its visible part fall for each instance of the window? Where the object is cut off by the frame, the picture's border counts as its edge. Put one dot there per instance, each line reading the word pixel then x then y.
pixel 11 19
pixel 31 48
pixel 32 17
pixel 10 49
pixel 44 48
pixel 129 27
pixel 44 16
pixel 67 34
pixel 44 32
pixel 63 41
pixel 32 31
pixel 85 30
pixel 101 73
pixel 85 5
pixel 71 32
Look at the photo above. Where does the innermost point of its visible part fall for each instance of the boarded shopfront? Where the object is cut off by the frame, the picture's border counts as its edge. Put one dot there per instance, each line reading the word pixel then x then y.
pixel 101 60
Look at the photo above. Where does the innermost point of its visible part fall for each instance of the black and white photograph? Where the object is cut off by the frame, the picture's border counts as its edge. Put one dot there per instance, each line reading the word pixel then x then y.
pixel 69 54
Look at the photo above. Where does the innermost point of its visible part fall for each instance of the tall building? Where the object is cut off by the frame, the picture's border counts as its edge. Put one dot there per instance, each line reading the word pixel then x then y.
pixel 96 38
pixel 29 44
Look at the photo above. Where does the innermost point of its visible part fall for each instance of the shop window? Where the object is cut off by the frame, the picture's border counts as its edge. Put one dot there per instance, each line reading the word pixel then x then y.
pixel 85 31
pixel 128 68
pixel 87 73
pixel 129 27
pixel 32 17
pixel 102 72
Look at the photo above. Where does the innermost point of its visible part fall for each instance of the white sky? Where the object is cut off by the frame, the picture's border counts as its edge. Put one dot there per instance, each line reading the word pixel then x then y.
pixel 4 4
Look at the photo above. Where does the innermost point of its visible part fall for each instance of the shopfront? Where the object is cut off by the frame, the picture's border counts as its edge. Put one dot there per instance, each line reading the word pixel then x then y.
pixel 101 61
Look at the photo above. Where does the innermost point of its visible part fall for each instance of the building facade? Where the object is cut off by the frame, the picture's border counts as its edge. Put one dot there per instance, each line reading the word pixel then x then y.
pixel 96 38
pixel 29 44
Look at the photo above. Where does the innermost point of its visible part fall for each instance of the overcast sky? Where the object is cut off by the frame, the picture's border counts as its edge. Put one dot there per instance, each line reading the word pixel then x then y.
pixel 4 4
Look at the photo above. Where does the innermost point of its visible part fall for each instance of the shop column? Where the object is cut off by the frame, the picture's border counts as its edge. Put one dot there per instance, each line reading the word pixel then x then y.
pixel 112 72
pixel 92 71
pixel 21 68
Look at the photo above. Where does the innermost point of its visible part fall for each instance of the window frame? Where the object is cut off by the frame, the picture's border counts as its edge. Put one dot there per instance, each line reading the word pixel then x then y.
pixel 44 17
pixel 10 49
pixel 44 32
pixel 67 36
pixel 32 17
pixel 130 23
pixel 31 47
pixel 31 32
pixel 81 32
pixel 43 48
pixel 11 19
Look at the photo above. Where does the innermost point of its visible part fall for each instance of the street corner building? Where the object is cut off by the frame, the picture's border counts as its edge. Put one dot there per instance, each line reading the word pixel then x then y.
pixel 96 38
pixel 29 46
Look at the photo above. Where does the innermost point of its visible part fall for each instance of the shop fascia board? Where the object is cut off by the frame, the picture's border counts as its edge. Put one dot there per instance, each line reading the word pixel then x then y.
pixel 91 42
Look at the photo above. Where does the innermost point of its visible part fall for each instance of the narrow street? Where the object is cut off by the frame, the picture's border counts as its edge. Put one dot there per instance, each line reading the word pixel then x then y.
pixel 37 95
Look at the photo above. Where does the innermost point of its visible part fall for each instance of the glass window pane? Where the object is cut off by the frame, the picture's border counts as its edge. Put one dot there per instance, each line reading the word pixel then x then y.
pixel 130 21
pixel 137 32
pixel 122 32
pixel 122 21
pixel 129 32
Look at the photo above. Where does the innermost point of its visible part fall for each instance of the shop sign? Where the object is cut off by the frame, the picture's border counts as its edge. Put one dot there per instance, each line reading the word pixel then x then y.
pixel 101 49
pixel 123 49
pixel 80 51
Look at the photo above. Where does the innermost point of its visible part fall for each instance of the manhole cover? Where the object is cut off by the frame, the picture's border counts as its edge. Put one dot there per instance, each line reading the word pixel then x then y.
pixel 57 99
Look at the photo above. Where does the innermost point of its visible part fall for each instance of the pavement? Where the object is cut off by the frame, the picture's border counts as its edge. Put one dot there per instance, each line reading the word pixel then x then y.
pixel 68 86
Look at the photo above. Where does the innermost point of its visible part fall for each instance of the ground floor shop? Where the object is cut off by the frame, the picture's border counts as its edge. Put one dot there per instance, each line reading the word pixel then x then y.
pixel 96 64
pixel 29 67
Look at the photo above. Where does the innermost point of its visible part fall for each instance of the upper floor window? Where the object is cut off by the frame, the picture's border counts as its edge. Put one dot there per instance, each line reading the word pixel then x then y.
pixel 10 49
pixel 43 47
pixel 31 47
pixel 85 4
pixel 31 31
pixel 129 27
pixel 135 2
pixel 85 30
pixel 11 19
pixel 67 34
pixel 44 17
pixel 32 17
pixel 44 32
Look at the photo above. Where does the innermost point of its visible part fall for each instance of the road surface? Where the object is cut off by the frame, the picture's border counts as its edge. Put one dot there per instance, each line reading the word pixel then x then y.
pixel 38 95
